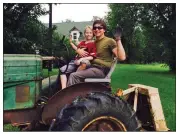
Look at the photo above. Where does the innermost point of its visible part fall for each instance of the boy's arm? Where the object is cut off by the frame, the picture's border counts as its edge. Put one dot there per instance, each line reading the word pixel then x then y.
pixel 77 62
pixel 72 44
pixel 86 58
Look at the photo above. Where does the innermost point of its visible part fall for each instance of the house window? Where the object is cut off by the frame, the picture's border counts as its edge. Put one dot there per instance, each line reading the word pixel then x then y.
pixel 74 36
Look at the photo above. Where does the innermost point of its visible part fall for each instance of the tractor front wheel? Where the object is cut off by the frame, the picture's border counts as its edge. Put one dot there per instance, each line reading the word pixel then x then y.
pixel 97 112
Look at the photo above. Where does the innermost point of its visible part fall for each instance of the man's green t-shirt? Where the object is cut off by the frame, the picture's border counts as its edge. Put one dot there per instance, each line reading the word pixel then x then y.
pixel 104 49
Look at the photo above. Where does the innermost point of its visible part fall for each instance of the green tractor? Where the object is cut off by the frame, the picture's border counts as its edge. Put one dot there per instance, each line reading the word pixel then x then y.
pixel 40 104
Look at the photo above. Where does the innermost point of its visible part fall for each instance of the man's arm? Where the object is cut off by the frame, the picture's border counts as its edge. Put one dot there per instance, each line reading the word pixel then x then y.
pixel 79 51
pixel 93 50
pixel 82 52
pixel 119 50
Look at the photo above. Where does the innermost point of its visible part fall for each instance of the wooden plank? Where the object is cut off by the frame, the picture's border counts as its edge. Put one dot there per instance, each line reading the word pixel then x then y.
pixel 129 90
pixel 157 110
pixel 141 88
pixel 155 103
pixel 135 99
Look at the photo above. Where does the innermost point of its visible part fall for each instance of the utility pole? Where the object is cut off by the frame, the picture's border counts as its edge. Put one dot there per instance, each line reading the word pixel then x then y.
pixel 50 35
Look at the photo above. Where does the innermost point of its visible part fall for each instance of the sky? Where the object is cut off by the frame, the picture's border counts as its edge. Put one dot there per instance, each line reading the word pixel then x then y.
pixel 74 12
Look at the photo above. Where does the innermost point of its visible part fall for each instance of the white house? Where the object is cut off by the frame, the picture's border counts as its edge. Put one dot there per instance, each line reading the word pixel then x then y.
pixel 76 29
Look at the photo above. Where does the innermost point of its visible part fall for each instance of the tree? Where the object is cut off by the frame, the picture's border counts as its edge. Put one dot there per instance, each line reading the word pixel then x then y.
pixel 24 33
pixel 124 16
pixel 158 30
pixel 162 18
pixel 21 27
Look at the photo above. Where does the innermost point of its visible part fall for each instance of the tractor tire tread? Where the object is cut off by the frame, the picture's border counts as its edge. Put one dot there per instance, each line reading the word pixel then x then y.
pixel 76 115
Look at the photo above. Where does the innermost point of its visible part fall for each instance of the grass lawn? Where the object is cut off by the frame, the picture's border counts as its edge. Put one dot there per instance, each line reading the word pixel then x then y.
pixel 151 75
pixel 53 72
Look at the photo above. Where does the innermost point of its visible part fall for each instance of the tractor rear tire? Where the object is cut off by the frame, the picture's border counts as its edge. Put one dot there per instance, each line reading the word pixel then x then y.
pixel 97 112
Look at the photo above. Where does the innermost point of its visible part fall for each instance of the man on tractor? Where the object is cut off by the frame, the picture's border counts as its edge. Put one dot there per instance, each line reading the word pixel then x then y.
pixel 106 49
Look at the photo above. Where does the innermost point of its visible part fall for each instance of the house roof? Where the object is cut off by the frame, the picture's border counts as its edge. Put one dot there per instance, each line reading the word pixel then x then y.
pixel 65 27
pixel 74 28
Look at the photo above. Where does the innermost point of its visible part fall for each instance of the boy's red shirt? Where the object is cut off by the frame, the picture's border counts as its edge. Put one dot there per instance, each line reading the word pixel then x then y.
pixel 90 48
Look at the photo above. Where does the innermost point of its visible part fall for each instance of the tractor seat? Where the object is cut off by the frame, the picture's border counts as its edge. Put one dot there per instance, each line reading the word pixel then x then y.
pixel 107 79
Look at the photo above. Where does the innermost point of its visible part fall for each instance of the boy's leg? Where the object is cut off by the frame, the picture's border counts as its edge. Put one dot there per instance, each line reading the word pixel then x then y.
pixel 79 76
pixel 63 77
pixel 82 67
pixel 71 68
pixel 84 64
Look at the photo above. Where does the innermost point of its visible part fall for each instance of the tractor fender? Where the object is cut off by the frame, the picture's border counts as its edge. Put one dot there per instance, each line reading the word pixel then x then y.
pixel 66 96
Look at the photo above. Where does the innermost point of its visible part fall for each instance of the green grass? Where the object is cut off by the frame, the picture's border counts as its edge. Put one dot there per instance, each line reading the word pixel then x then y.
pixel 152 75
pixel 53 72
pixel 10 128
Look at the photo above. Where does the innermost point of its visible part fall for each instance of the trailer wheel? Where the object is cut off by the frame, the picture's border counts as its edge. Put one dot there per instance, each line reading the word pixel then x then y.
pixel 97 112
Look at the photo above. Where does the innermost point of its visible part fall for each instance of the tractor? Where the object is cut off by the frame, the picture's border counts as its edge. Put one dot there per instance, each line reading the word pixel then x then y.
pixel 34 103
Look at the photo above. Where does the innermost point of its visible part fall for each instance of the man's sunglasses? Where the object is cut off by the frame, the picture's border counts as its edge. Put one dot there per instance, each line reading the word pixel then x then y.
pixel 99 28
